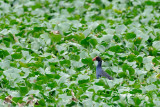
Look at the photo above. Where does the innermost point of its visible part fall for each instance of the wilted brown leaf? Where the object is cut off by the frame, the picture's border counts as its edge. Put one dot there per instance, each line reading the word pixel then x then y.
pixel 8 99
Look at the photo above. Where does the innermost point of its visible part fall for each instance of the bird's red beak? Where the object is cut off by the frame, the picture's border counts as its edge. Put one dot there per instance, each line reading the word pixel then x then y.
pixel 94 59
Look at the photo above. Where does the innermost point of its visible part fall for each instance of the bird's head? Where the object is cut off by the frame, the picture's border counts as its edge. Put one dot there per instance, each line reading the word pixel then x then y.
pixel 97 58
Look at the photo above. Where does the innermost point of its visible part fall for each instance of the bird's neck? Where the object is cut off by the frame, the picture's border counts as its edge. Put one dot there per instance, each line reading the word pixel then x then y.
pixel 99 64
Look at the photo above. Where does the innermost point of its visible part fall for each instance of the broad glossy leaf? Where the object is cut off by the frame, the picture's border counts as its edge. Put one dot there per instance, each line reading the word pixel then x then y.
pixel 156 44
pixel 23 91
pixel 96 88
pixel 151 87
pixel 130 36
pixel 3 53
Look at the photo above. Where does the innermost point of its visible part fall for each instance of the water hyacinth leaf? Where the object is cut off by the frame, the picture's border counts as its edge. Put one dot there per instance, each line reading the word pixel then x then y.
pixel 88 61
pixel 65 62
pixel 23 91
pixel 137 41
pixel 130 36
pixel 52 84
pixel 148 62
pixel 99 28
pixel 120 29
pixel 76 64
pixel 156 44
pixel 134 91
pixel 139 59
pixel 83 79
pixel 79 37
pixel 116 49
pixel 126 67
pixel 74 57
pixel 63 27
pixel 26 71
pixel 137 101
pixel 34 92
pixel 116 38
pixel 131 57
pixel 158 76
pixel 96 88
pixel 42 102
pixel 151 87
pixel 131 70
pixel 93 42
pixel 55 37
pixel 64 99
pixel 12 73
pixel 17 55
pixel 106 38
pixel 85 42
pixel 100 82
pixel 63 78
pixel 13 31
pixel 3 53
pixel 88 102
pixel 46 38
pixel 4 32
pixel 87 32
pixel 122 74
pixel 14 93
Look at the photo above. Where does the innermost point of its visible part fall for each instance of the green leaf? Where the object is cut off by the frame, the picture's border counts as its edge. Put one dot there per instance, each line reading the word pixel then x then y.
pixel 158 76
pixel 151 87
pixel 88 61
pixel 55 37
pixel 156 44
pixel 106 38
pixel 64 99
pixel 82 79
pixel 42 102
pixel 100 83
pixel 131 57
pixel 85 42
pixel 52 84
pixel 23 91
pixel 17 99
pixel 131 71
pixel 16 56
pixel 137 101
pixel 4 32
pixel 96 88
pixel 137 41
pixel 93 42
pixel 126 67
pixel 130 36
pixel 12 73
pixel 74 57
pixel 65 62
pixel 134 91
pixel 3 53
pixel 139 59
pixel 79 37
pixel 99 28
pixel 116 49
pixel 120 29
pixel 122 74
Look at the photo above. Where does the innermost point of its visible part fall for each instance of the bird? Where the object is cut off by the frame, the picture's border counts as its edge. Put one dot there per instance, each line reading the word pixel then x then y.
pixel 99 71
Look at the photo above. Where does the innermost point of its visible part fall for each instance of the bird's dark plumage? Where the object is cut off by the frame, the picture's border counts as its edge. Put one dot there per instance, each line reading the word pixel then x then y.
pixel 99 71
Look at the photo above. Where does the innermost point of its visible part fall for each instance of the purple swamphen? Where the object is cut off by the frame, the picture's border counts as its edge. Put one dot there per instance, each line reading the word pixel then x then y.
pixel 99 71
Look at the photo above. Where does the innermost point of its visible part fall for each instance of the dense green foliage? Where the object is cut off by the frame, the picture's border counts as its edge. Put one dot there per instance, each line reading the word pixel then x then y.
pixel 47 46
